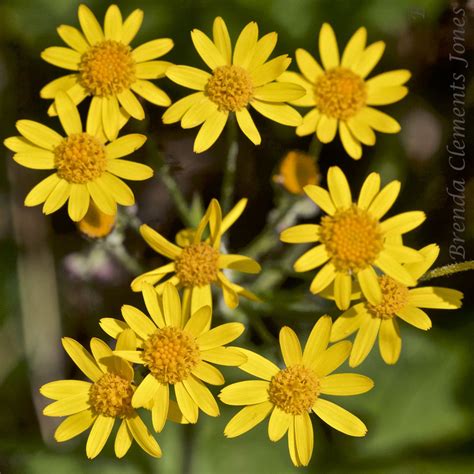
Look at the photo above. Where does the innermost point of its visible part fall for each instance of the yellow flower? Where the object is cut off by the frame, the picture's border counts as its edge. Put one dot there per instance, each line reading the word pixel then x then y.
pixel 176 351
pixel 352 239
pixel 95 224
pixel 297 169
pixel 106 68
pixel 289 395
pixel 100 403
pixel 237 80
pixel 198 265
pixel 340 94
pixel 398 300
pixel 85 166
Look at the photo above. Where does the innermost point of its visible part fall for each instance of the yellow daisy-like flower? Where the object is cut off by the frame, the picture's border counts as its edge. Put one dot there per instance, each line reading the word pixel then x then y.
pixel 100 403
pixel 353 239
pixel 237 80
pixel 85 166
pixel 176 351
pixel 296 170
pixel 200 264
pixel 106 68
pixel 398 301
pixel 289 395
pixel 341 96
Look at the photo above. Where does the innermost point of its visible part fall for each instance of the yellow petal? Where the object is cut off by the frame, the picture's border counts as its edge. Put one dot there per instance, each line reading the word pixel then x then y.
pixel 78 202
pixel 389 79
pixel 299 234
pixel 143 437
pixel 348 322
pixel 324 278
pixel 354 48
pixel 62 57
pixel 123 440
pixel 113 23
pixel 350 143
pixel 230 356
pixel 131 26
pixel 360 131
pixel 247 418
pixel 82 358
pixel 338 418
pixel 152 49
pixel 186 404
pixel 198 113
pixel 378 120
pixel 329 360
pixel 304 438
pixel 369 190
pixel 318 339
pixel 207 49
pixel 145 392
pixel 270 70
pixel 278 424
pixel 39 134
pixel 290 346
pixel 327 128
pixel 328 49
pixel 201 396
pixel 343 290
pixel 129 170
pixel 258 365
pixel 102 198
pixel 321 198
pixel 364 340
pixel 403 223
pixel 369 284
pixel 281 113
pixel 68 113
pixel 247 125
pixel 131 104
pixel 73 426
pixel 435 297
pixel 63 83
pixel 248 392
pixel 64 388
pixel 171 306
pixel 392 268
pixel 138 321
pixel 160 408
pixel 210 131
pixel 151 93
pixel 208 373
pixel 415 316
pixel 385 95
pixel 245 45
pixel 159 243
pixel 311 259
pixel 265 46
pixel 68 406
pixel 309 124
pixel 239 263
pixel 345 384
pixel 279 92
pixel 99 435
pixel 308 65
pixel 390 342
pixel 37 159
pixel 369 59
pixel 221 39
pixel 89 24
pixel 73 38
pixel 176 111
pixel 339 188
pixel 220 336
pixel 188 77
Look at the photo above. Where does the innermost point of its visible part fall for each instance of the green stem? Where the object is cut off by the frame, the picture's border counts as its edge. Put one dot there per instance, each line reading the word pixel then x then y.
pixel 228 181
pixel 315 148
pixel 176 194
pixel 448 270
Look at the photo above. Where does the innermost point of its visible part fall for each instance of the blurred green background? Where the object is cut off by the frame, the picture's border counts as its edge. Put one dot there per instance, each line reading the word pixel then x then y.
pixel 54 283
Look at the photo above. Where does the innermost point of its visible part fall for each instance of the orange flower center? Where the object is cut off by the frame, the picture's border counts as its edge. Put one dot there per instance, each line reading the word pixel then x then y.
pixel 170 354
pixel 80 158
pixel 111 396
pixel 352 238
pixel 340 93
pixel 294 389
pixel 197 265
pixel 394 298
pixel 230 87
pixel 107 68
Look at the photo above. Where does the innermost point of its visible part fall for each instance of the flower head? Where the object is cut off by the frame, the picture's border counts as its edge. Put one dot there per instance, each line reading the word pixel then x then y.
pixel 353 239
pixel 85 165
pixel 198 262
pixel 176 351
pixel 289 395
pixel 107 68
pixel 340 95
pixel 296 170
pixel 99 403
pixel 237 80
pixel 399 301
pixel 95 224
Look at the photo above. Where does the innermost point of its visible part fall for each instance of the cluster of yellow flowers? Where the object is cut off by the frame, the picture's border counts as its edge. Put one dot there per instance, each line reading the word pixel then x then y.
pixel 176 344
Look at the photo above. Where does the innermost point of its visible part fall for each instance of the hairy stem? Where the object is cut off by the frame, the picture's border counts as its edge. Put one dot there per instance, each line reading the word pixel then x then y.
pixel 448 270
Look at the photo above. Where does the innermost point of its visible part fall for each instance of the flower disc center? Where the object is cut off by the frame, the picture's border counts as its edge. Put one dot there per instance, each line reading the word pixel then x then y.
pixel 80 158
pixel 294 389
pixel 111 396
pixel 197 265
pixel 107 68
pixel 170 354
pixel 394 298
pixel 230 87
pixel 340 93
pixel 352 238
